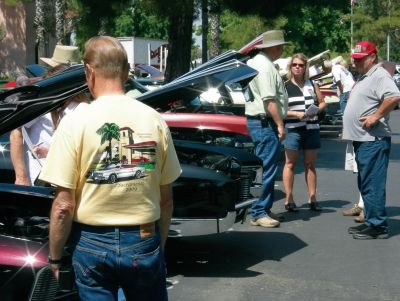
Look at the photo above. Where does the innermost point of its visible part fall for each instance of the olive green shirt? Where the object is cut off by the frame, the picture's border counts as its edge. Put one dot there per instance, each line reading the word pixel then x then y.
pixel 268 84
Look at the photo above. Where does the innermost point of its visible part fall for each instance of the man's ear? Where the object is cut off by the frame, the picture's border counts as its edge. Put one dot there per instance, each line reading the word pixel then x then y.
pixel 125 76
pixel 90 77
pixel 88 71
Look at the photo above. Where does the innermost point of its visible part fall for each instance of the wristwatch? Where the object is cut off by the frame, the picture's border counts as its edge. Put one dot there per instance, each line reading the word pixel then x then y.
pixel 54 261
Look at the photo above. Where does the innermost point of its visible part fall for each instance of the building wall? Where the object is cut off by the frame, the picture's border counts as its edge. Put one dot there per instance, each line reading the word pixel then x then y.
pixel 30 32
pixel 17 49
pixel 13 46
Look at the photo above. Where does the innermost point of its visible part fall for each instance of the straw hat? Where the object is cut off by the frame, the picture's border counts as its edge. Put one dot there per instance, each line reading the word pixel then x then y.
pixel 63 55
pixel 272 38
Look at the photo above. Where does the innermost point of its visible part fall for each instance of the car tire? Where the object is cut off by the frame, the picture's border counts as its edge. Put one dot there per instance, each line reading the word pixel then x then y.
pixel 138 174
pixel 112 179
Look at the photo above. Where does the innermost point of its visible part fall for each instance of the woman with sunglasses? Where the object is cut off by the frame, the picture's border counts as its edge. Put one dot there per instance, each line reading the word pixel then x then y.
pixel 302 130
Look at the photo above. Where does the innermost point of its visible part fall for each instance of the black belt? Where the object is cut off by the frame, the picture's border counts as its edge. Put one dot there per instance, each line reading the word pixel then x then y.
pixel 260 117
pixel 106 229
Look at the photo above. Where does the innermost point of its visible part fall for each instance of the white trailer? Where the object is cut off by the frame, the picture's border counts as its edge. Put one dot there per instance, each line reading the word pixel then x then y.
pixel 146 51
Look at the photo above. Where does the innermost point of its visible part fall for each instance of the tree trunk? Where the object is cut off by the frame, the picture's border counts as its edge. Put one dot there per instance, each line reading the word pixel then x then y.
pixel 103 27
pixel 39 24
pixel 204 28
pixel 180 41
pixel 59 13
pixel 215 10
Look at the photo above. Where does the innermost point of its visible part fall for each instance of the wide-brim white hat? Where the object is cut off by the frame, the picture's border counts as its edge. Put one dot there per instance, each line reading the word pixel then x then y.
pixel 63 55
pixel 272 38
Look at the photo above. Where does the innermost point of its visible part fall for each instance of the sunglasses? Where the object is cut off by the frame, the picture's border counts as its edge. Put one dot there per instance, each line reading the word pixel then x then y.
pixel 298 65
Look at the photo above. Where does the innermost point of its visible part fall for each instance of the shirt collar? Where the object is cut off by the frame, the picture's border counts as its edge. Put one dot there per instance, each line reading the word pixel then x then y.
pixel 370 71
pixel 264 54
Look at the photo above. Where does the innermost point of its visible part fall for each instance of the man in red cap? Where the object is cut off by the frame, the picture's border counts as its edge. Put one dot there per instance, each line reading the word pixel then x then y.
pixel 366 123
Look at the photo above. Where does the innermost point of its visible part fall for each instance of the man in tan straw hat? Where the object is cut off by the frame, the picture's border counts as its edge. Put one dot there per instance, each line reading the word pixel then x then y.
pixel 265 114
pixel 62 55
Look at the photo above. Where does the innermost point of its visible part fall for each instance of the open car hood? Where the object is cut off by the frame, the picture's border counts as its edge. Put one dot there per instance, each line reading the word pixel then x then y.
pixel 21 105
pixel 192 84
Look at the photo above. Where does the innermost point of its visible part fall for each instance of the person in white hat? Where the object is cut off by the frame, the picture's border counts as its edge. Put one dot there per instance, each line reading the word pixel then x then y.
pixel 30 143
pixel 265 114
pixel 62 55
pixel 344 81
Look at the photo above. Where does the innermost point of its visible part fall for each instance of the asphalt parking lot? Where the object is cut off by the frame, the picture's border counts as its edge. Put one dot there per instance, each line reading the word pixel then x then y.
pixel 310 257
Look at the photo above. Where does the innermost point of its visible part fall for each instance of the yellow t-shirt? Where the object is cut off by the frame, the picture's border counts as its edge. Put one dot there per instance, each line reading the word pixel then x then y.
pixel 115 153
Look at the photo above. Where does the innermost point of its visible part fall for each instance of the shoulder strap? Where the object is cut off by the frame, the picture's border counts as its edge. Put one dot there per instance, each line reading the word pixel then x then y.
pixel 30 145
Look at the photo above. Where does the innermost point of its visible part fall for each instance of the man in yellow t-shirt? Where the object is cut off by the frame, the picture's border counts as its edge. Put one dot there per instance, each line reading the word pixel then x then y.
pixel 117 210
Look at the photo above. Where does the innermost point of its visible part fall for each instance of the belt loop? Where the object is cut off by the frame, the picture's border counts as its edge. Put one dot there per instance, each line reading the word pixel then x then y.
pixel 116 233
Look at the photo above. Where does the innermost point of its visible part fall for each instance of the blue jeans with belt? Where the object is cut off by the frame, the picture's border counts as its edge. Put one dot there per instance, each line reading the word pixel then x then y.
pixel 372 159
pixel 106 258
pixel 264 135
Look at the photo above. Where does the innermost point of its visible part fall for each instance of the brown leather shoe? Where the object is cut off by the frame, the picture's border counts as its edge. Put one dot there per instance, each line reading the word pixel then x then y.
pixel 360 218
pixel 354 211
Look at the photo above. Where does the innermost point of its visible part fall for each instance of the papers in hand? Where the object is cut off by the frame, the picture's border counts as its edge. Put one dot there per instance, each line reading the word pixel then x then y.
pixel 312 110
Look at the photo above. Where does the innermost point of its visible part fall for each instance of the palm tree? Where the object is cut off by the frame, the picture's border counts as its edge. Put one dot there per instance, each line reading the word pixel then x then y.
pixel 215 11
pixel 204 27
pixel 60 20
pixel 103 27
pixel 39 24
pixel 2 32
pixel 109 131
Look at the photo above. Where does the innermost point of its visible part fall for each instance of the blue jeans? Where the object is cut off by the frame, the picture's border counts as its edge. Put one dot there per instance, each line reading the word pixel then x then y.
pixel 343 100
pixel 372 161
pixel 267 148
pixel 106 258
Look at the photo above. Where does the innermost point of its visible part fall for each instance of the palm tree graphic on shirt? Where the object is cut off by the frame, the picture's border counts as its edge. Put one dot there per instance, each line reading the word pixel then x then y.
pixel 109 131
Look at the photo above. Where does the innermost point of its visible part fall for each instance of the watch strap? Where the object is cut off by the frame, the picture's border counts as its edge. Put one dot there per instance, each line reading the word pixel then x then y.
pixel 54 261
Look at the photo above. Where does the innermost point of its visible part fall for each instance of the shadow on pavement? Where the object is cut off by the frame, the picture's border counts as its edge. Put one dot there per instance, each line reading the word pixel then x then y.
pixel 328 157
pixel 305 214
pixel 335 204
pixel 393 211
pixel 395 152
pixel 230 254
pixel 394 227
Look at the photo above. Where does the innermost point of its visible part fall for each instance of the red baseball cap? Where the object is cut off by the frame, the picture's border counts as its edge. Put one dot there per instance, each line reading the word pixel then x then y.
pixel 362 49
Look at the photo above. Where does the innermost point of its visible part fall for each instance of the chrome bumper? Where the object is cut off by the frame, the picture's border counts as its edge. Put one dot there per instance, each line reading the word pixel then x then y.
pixel 245 204
pixel 197 227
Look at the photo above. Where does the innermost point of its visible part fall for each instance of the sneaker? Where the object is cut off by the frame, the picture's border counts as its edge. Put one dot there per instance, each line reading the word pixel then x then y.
pixel 265 221
pixel 357 229
pixel 354 211
pixel 360 218
pixel 371 233
pixel 277 217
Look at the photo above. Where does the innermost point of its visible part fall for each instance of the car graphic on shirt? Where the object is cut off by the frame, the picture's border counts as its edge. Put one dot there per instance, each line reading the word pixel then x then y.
pixel 113 172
